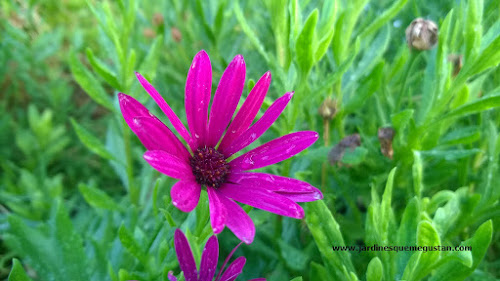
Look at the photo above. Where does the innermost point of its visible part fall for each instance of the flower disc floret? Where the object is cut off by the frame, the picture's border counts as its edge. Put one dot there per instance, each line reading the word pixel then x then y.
pixel 209 167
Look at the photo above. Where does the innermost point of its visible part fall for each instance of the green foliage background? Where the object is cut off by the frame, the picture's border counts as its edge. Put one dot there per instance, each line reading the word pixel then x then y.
pixel 77 202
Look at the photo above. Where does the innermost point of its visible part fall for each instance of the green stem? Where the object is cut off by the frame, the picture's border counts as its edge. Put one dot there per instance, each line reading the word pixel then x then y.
pixel 406 73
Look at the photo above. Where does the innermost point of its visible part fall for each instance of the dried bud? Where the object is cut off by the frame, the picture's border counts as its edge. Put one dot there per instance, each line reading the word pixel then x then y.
pixel 176 34
pixel 328 109
pixel 421 34
pixel 149 33
pixel 457 61
pixel 352 141
pixel 385 136
pixel 157 19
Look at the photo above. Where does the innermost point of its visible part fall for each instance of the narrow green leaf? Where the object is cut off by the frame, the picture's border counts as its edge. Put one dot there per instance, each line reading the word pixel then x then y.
pixel 98 198
pixel 297 279
pixel 249 31
pixel 326 232
pixel 91 142
pixel 401 119
pixel 455 270
pixel 304 47
pixel 372 54
pixel 319 272
pixel 449 155
pixel 375 270
pixel 463 135
pixel 334 77
pixel 150 63
pixel 17 273
pixel 131 245
pixel 369 86
pixel 407 233
pixel 382 19
pixel 483 104
pixel 417 172
pixel 89 83
pixel 103 70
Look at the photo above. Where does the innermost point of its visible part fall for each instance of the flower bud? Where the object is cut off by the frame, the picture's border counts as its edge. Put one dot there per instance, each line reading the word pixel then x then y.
pixel 157 19
pixel 149 33
pixel 385 136
pixel 176 34
pixel 328 109
pixel 421 34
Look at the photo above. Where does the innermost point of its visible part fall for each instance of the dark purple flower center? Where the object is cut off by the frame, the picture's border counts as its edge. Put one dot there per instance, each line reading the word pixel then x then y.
pixel 209 166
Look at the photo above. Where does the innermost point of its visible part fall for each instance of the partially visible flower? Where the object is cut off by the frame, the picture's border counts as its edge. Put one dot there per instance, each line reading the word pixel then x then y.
pixel 208 265
pixel 421 34
pixel 207 164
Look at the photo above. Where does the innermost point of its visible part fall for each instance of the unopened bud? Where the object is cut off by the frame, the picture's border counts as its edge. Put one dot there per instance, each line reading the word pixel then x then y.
pixel 349 142
pixel 157 19
pixel 421 34
pixel 457 61
pixel 149 33
pixel 328 109
pixel 385 136
pixel 176 34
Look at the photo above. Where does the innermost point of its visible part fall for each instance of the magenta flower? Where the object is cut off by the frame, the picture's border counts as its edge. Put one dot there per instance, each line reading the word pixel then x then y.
pixel 205 161
pixel 209 258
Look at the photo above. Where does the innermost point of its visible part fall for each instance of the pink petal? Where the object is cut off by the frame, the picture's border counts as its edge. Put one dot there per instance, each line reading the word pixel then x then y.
pixel 248 110
pixel 303 197
pixel 239 222
pixel 293 189
pixel 185 195
pixel 226 99
pixel 254 132
pixel 131 108
pixel 154 135
pixel 209 259
pixel 226 260
pixel 185 256
pixel 218 212
pixel 176 122
pixel 169 164
pixel 234 269
pixel 274 151
pixel 198 88
pixel 261 198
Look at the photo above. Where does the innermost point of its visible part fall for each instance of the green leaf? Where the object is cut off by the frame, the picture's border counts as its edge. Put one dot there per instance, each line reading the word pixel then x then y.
pixel 483 104
pixel 103 70
pixel 294 258
pixel 326 233
pixel 455 270
pixel 407 232
pixel 89 83
pixel 17 273
pixel 91 142
pixel 326 28
pixel 334 77
pixel 98 198
pixel 249 31
pixel 131 245
pixel 417 172
pixel 382 19
pixel 463 135
pixel 305 43
pixel 354 157
pixel 375 271
pixel 297 279
pixel 319 272
pixel 449 155
pixel 401 119
pixel 372 84
pixel 150 63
